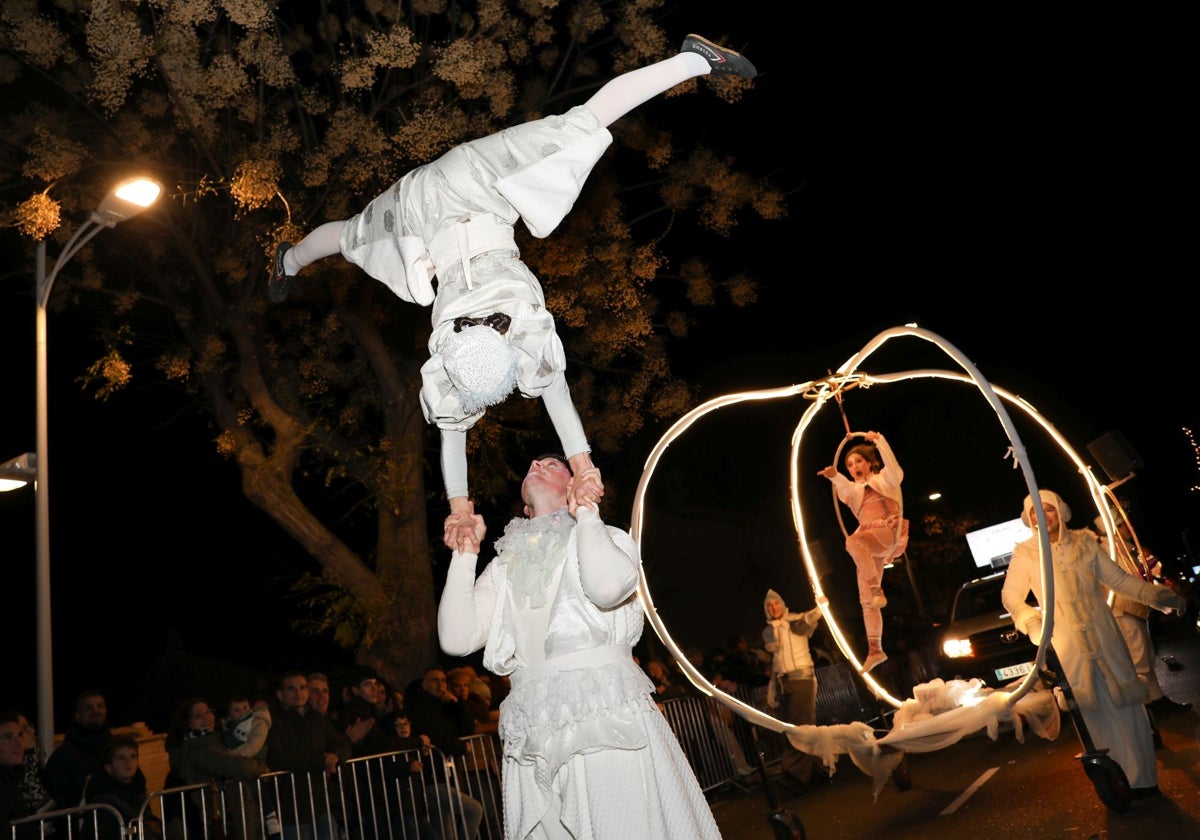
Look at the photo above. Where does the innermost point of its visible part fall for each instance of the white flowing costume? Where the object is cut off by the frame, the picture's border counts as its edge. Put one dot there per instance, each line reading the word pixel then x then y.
pixel 587 753
pixel 454 218
pixel 1095 660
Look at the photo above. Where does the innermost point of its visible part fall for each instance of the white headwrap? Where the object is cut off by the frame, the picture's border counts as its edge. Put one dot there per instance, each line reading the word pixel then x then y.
pixel 1049 497
pixel 481 364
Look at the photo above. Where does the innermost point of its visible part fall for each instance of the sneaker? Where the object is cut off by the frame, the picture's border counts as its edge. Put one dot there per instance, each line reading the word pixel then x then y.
pixel 876 658
pixel 722 59
pixel 281 281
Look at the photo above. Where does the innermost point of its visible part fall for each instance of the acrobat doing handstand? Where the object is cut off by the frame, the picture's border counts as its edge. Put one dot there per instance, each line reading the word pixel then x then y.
pixel 874 498
pixel 453 219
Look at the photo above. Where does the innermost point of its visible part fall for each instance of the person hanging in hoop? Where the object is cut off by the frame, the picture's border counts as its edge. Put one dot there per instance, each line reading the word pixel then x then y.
pixel 873 495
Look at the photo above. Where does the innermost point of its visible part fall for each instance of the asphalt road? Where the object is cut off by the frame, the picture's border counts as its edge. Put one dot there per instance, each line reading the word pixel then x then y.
pixel 1000 789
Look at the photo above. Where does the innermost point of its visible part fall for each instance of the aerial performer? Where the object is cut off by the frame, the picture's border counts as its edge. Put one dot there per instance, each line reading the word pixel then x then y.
pixel 873 495
pixel 1096 663
pixel 453 219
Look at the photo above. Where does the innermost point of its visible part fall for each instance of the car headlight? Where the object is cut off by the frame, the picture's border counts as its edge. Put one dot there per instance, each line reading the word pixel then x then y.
pixel 957 648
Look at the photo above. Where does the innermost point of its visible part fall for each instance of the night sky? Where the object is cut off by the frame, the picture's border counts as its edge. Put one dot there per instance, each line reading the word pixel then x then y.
pixel 1020 199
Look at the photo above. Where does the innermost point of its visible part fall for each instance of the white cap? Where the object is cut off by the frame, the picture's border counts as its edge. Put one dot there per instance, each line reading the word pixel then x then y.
pixel 481 364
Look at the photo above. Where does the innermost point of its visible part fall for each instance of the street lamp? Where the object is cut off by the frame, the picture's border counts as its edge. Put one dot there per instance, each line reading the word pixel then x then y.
pixel 124 201
pixel 17 472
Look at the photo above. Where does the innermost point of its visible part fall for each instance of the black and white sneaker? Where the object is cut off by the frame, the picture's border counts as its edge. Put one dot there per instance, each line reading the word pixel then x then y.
pixel 281 281
pixel 722 59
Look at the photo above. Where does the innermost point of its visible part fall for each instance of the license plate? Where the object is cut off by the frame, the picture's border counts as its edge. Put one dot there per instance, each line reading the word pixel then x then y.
pixel 1014 671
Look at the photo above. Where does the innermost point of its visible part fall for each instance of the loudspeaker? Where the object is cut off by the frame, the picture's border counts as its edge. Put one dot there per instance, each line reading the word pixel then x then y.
pixel 1115 455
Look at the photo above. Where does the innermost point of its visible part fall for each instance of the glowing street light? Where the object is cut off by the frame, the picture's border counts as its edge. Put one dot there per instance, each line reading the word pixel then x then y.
pixel 124 201
pixel 17 472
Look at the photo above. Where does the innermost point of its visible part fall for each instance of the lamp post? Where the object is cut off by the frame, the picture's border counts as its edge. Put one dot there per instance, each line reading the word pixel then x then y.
pixel 124 201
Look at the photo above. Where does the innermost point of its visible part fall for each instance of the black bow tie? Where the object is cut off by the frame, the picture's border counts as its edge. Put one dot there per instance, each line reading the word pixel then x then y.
pixel 497 321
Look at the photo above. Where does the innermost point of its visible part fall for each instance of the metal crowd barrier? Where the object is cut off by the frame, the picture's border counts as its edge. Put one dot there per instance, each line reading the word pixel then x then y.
pixel 84 822
pixel 423 794
pixel 723 748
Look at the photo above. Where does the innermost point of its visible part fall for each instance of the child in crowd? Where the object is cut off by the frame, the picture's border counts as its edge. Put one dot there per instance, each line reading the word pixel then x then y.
pixel 124 788
pixel 246 726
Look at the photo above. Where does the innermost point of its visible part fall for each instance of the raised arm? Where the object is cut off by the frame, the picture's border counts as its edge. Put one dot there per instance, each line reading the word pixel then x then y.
pixel 608 560
pixel 891 467
pixel 587 488
pixel 465 610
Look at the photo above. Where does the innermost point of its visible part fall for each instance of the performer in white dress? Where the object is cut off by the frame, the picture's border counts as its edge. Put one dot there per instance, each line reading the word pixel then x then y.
pixel 453 218
pixel 587 753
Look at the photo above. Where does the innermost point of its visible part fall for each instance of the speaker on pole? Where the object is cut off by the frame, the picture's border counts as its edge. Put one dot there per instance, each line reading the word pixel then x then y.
pixel 1115 455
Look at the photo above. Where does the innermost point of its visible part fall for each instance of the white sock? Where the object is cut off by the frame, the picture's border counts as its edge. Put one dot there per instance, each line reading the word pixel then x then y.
pixel 321 242
pixel 624 93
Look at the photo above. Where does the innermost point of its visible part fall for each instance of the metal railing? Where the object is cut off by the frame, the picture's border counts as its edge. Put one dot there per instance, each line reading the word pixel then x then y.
pixel 421 794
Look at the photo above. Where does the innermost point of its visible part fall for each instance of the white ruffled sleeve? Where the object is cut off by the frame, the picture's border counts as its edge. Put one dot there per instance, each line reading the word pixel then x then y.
pixel 608 560
pixel 465 611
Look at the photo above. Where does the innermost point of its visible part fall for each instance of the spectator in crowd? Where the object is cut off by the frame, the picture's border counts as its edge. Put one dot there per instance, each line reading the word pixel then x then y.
pixel 464 683
pixel 310 747
pixel 82 751
pixel 368 790
pixel 664 687
pixel 197 754
pixel 360 717
pixel 744 666
pixel 318 694
pixel 1090 648
pixel 33 774
pixel 12 762
pixel 244 730
pixel 437 713
pixel 123 787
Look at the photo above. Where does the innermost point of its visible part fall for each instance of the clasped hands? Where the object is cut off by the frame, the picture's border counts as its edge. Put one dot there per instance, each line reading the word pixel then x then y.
pixel 464 529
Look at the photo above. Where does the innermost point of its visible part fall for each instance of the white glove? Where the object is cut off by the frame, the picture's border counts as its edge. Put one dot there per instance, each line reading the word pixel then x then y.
pixel 1034 628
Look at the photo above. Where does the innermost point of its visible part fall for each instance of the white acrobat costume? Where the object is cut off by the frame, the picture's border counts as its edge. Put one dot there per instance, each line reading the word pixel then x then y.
pixel 453 218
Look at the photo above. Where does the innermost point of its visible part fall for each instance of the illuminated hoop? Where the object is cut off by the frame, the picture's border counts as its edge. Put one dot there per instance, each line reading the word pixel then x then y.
pixel 1111 504
pixel 821 391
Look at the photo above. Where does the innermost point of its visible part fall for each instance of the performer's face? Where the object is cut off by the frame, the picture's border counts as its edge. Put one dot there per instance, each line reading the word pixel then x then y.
pixel 1051 520
pixel 775 608
pixel 546 475
pixel 858 467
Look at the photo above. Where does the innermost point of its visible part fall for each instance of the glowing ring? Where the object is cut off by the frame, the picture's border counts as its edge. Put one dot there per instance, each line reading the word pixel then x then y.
pixel 989 392
pixel 1112 503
